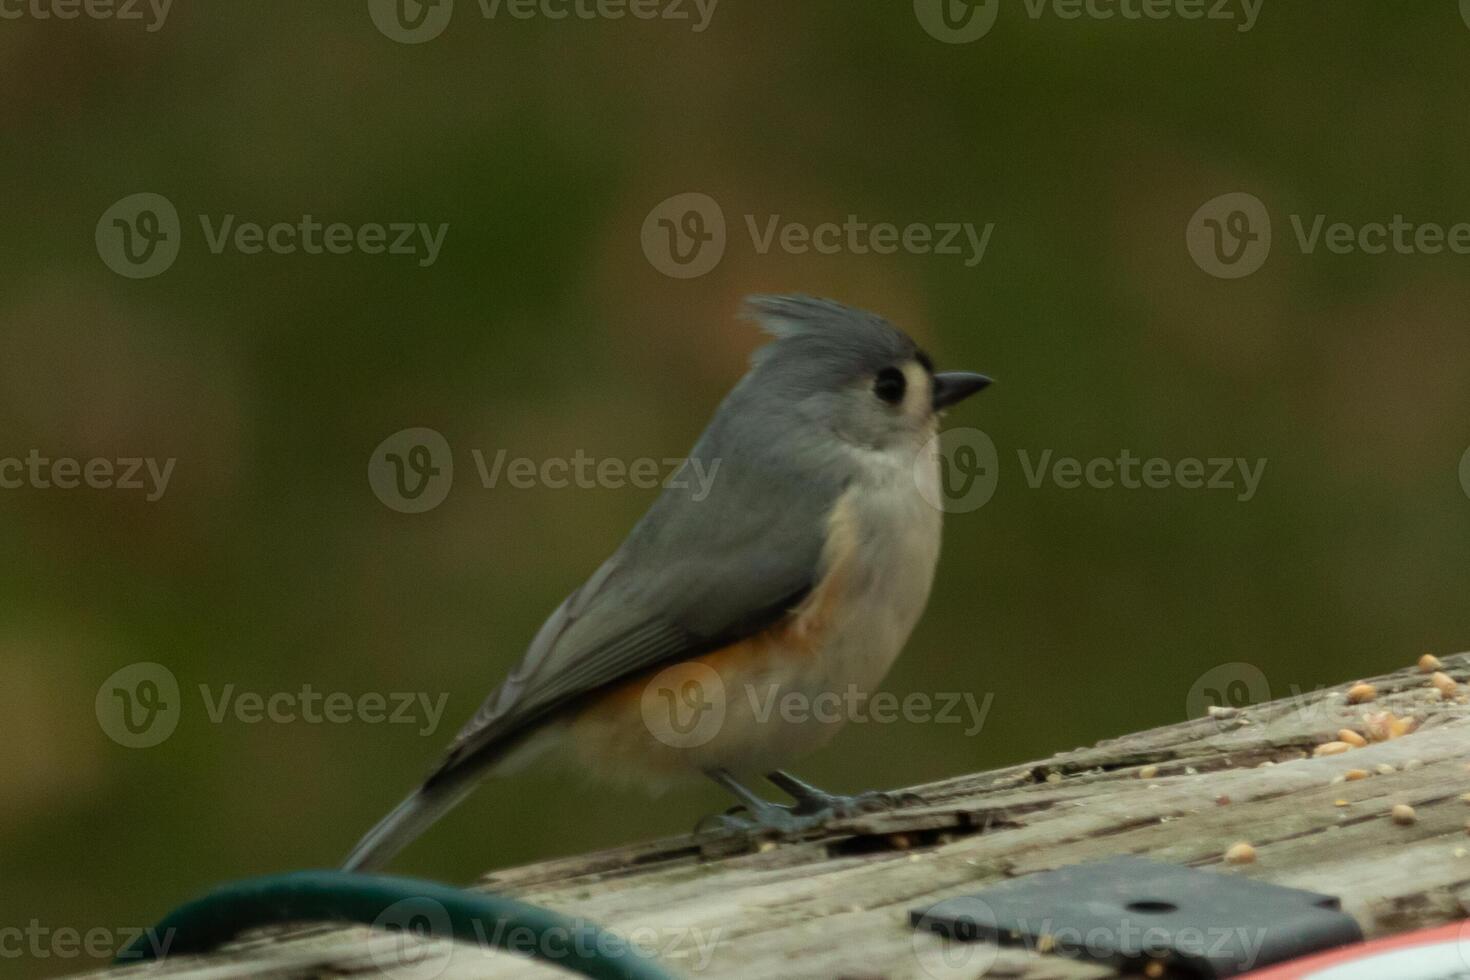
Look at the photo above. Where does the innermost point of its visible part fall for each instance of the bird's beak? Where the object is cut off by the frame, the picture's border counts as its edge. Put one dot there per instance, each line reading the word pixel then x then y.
pixel 952 387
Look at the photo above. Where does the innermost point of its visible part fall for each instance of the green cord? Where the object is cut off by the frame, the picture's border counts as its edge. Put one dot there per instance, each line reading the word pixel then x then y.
pixel 389 901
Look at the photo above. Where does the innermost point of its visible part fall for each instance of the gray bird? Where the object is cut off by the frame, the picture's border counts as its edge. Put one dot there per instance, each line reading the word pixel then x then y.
pixel 801 572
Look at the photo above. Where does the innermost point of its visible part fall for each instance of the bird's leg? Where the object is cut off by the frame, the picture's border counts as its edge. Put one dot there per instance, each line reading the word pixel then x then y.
pixel 813 801
pixel 763 815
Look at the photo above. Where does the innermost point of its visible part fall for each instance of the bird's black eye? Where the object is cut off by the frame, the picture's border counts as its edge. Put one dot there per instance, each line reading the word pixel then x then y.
pixel 890 385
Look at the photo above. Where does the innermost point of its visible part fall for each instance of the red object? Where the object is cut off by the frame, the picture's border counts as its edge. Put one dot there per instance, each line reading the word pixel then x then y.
pixel 1442 953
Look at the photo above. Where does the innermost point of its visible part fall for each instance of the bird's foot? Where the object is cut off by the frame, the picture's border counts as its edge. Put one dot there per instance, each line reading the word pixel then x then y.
pixel 770 818
pixel 813 801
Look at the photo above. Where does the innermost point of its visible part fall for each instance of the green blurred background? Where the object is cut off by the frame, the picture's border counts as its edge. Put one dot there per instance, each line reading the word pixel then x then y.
pixel 543 329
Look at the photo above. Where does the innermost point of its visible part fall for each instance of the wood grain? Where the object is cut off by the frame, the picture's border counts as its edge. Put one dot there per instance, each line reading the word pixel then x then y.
pixel 835 903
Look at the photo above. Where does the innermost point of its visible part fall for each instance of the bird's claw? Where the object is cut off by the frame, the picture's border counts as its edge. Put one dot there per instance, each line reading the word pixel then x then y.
pixel 771 818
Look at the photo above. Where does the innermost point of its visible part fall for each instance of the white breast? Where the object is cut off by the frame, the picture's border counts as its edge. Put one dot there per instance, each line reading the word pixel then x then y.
pixel 894 539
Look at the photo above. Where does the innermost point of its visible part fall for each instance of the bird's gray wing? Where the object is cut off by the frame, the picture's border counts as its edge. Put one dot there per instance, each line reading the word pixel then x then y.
pixel 709 564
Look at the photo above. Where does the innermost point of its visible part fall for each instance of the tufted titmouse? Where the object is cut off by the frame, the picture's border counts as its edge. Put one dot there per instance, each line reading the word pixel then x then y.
pixel 801 573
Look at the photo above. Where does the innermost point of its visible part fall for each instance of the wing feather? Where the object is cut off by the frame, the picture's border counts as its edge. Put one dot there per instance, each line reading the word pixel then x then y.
pixel 694 575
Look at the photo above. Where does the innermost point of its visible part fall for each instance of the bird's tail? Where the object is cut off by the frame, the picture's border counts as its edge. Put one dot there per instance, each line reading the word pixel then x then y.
pixel 408 819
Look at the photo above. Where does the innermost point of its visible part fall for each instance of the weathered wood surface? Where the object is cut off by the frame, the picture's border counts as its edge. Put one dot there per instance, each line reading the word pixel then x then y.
pixel 835 904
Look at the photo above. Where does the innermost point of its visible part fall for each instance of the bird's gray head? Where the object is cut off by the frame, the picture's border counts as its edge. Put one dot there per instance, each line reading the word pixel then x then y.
pixel 850 371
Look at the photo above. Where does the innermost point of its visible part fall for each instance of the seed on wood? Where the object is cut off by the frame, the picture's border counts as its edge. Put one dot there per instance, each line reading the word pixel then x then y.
pixel 1403 814
pixel 1332 748
pixel 1148 772
pixel 1361 692
pixel 1384 726
pixel 1384 769
pixel 1240 853
pixel 1352 738
pixel 1339 802
pixel 1448 686
pixel 1429 663
pixel 1353 775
